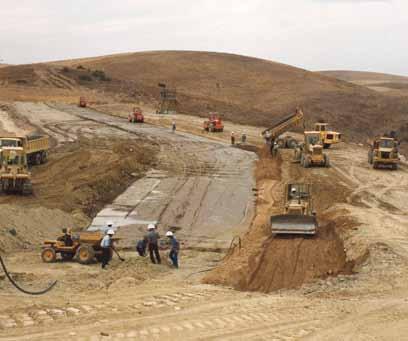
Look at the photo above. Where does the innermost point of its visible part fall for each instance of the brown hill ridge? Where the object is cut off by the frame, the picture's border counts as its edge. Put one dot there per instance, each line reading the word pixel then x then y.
pixel 244 89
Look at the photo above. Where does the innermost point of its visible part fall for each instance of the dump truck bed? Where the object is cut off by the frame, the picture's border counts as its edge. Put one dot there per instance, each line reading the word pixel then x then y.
pixel 37 143
pixel 293 224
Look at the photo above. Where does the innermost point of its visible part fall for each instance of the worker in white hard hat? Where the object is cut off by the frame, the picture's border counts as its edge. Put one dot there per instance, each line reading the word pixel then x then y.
pixel 232 138
pixel 293 192
pixel 174 249
pixel 152 239
pixel 107 246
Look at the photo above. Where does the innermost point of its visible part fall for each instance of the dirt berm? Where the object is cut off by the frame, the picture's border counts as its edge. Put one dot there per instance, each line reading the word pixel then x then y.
pixel 77 181
pixel 265 263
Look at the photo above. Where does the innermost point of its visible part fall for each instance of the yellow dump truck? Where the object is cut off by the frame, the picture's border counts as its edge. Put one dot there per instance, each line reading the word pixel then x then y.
pixel 14 174
pixel 35 147
pixel 329 137
pixel 383 152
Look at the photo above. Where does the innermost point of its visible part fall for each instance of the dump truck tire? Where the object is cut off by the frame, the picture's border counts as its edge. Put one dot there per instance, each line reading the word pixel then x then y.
pixel 281 143
pixel 326 145
pixel 292 144
pixel 48 255
pixel 394 166
pixel 43 157
pixel 37 159
pixel 86 254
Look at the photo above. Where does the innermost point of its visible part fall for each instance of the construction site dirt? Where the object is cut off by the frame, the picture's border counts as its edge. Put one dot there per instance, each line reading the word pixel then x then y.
pixel 347 280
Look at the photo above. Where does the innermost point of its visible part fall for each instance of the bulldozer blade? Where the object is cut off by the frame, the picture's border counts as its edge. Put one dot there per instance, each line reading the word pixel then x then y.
pixel 293 224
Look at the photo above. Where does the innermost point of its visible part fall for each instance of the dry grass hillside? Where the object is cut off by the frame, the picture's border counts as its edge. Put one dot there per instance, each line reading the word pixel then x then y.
pixel 388 84
pixel 245 90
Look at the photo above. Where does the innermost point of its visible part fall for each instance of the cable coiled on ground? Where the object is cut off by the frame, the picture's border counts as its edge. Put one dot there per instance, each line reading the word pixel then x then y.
pixel 20 288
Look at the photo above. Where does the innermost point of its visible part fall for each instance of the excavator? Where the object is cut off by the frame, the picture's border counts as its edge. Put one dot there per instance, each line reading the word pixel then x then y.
pixel 273 133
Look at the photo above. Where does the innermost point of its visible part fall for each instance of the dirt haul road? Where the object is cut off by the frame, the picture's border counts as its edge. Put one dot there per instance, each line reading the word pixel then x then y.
pixel 368 305
pixel 200 187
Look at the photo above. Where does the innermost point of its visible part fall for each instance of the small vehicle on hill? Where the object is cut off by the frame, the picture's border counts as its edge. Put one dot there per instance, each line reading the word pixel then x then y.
pixel 136 116
pixel 82 102
pixel 214 123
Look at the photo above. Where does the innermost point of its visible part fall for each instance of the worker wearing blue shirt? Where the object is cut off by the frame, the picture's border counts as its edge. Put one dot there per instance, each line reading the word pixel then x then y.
pixel 174 250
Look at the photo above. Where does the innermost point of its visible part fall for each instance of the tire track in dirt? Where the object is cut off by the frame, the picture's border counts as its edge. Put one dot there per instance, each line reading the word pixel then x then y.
pixel 377 190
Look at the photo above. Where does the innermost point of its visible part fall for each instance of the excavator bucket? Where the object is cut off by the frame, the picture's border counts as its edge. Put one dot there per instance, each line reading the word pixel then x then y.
pixel 293 224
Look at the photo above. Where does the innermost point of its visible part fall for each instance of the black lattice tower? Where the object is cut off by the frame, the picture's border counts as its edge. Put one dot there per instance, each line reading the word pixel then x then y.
pixel 168 100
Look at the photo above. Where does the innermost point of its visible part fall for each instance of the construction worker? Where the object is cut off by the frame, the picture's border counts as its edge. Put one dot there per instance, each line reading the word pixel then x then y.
pixel 174 249
pixel 66 237
pixel 173 126
pixel 243 138
pixel 107 246
pixel 268 137
pixel 141 247
pixel 293 192
pixel 232 138
pixel 152 238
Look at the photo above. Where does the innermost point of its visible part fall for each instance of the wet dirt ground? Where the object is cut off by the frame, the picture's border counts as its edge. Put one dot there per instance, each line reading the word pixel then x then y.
pixel 201 187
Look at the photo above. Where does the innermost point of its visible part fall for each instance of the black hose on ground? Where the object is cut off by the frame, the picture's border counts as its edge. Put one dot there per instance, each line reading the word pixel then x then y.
pixel 20 288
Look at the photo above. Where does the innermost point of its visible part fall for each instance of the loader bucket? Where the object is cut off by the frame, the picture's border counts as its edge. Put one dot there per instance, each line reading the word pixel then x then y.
pixel 293 224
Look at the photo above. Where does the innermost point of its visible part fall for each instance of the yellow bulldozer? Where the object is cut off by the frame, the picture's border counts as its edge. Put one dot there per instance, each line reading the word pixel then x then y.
pixel 383 152
pixel 329 137
pixel 298 216
pixel 14 174
pixel 310 152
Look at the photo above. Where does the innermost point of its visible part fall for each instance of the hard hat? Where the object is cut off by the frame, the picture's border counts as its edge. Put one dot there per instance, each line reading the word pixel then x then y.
pixel 293 189
pixel 109 223
pixel 111 232
pixel 151 227
pixel 169 234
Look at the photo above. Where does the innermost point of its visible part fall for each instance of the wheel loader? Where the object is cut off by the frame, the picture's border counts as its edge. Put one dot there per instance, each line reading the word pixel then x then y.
pixel 86 247
pixel 14 174
pixel 383 152
pixel 310 152
pixel 298 216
